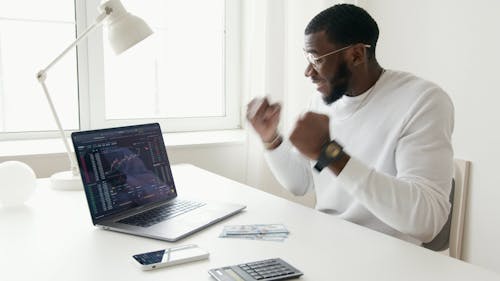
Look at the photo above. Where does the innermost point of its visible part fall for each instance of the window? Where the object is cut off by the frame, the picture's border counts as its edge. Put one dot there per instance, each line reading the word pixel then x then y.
pixel 29 40
pixel 185 76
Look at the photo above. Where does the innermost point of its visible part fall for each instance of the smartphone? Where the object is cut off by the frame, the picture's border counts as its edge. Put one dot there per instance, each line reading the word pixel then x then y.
pixel 171 256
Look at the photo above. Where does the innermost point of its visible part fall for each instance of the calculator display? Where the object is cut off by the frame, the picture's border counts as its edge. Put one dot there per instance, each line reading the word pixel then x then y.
pixel 233 274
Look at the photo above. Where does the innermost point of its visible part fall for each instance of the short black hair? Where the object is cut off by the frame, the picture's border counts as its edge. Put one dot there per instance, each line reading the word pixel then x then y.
pixel 346 24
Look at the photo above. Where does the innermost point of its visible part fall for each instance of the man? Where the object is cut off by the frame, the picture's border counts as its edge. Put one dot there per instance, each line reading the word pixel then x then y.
pixel 376 144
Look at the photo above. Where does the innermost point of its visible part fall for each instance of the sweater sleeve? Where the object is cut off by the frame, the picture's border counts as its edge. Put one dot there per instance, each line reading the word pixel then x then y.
pixel 290 168
pixel 416 200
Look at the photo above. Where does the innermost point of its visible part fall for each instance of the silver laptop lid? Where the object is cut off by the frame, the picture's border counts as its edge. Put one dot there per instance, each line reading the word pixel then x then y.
pixel 123 168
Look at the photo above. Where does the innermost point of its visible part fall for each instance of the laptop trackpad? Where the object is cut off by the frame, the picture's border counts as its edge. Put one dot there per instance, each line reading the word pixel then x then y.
pixel 188 222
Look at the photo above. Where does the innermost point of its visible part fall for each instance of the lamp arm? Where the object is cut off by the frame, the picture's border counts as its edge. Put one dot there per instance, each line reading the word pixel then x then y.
pixel 84 35
pixel 42 76
pixel 72 161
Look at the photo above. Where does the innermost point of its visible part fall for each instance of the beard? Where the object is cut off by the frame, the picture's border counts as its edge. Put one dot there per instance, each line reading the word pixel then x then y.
pixel 338 89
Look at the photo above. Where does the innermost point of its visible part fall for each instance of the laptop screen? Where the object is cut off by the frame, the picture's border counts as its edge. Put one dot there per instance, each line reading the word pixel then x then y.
pixel 123 168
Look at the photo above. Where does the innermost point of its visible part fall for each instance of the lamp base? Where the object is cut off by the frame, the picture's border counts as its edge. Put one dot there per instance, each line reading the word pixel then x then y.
pixel 66 181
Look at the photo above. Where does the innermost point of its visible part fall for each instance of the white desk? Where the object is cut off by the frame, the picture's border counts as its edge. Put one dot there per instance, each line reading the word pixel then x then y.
pixel 52 238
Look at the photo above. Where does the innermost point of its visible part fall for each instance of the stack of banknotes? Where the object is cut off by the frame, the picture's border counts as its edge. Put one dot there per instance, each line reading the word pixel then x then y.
pixel 269 232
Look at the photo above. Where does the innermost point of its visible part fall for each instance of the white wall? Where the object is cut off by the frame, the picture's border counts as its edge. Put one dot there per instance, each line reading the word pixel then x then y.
pixel 456 44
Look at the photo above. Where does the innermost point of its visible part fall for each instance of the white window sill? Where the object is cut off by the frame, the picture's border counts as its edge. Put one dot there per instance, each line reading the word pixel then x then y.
pixel 172 140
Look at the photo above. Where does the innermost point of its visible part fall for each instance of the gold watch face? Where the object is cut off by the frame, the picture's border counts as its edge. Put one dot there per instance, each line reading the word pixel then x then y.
pixel 332 150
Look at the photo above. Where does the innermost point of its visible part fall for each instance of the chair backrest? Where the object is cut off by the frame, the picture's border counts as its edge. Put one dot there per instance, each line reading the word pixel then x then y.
pixel 461 176
pixel 451 234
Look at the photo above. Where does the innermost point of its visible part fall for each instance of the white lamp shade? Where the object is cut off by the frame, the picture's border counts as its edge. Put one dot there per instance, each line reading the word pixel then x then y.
pixel 124 29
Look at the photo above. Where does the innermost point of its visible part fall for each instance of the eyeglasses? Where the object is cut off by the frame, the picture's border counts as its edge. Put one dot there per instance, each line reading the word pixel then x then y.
pixel 316 61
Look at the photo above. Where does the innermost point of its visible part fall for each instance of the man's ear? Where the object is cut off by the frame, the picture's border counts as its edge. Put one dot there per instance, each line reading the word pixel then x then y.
pixel 358 55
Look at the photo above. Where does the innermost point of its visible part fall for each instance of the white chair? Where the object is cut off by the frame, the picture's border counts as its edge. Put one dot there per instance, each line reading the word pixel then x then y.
pixel 461 176
pixel 450 237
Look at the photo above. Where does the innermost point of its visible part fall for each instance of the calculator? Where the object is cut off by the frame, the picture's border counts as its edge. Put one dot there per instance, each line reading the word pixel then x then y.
pixel 264 270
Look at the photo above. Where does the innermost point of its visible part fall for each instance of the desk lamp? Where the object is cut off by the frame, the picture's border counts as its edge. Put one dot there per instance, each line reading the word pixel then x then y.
pixel 124 31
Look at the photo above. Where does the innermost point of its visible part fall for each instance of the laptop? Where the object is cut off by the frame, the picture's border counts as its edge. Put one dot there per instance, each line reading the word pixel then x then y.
pixel 130 187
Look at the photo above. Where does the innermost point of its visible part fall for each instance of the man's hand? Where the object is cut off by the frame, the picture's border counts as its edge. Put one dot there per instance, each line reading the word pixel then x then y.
pixel 264 118
pixel 311 132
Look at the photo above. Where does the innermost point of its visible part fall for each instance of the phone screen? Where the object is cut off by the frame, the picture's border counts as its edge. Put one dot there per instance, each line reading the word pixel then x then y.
pixel 169 255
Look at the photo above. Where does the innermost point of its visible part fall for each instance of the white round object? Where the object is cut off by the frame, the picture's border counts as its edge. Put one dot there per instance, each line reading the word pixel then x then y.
pixel 17 183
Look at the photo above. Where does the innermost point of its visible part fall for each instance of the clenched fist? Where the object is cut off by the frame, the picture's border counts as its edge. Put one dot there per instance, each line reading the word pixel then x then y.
pixel 264 118
pixel 311 132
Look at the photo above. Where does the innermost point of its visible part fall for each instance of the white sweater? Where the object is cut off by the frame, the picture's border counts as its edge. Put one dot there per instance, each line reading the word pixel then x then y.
pixel 398 180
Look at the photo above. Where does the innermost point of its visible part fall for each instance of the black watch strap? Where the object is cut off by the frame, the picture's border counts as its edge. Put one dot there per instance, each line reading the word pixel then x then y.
pixel 330 152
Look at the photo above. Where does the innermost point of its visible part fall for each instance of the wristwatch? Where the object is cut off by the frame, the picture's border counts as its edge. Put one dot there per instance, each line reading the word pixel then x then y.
pixel 330 152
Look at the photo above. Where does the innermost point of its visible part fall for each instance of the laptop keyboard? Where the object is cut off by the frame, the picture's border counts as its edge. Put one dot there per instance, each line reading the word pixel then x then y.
pixel 161 213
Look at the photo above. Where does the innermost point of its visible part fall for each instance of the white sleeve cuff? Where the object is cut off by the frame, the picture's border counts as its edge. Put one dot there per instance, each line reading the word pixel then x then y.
pixel 279 151
pixel 353 175
pixel 290 168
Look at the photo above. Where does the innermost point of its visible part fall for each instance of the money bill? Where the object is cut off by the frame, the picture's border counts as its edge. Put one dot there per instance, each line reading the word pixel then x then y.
pixel 269 232
pixel 255 229
pixel 268 237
